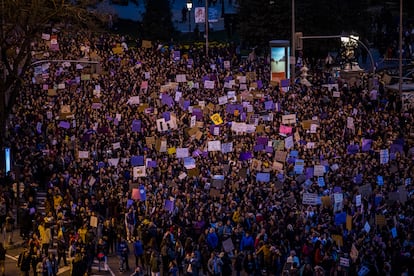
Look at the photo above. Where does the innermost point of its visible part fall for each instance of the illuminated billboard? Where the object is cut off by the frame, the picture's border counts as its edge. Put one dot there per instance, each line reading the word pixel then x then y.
pixel 279 60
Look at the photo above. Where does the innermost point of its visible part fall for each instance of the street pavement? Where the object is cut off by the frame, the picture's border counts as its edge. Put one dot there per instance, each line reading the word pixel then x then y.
pixel 13 251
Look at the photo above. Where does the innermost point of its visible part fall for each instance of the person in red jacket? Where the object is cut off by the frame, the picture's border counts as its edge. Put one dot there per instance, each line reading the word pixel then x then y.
pixel 318 256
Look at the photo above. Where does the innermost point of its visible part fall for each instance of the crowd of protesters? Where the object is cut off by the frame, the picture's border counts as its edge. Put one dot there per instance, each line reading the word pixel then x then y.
pixel 219 216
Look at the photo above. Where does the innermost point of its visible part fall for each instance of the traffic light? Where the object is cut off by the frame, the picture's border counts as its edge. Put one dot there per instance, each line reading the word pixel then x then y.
pixel 299 41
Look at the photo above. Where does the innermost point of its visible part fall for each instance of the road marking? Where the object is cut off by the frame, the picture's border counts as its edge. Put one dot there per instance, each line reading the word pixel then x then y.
pixel 63 270
pixel 13 258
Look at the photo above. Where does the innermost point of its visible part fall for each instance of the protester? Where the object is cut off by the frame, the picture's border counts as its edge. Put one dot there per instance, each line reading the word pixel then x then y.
pixel 2 259
pixel 210 156
pixel 24 263
pixel 139 253
pixel 123 253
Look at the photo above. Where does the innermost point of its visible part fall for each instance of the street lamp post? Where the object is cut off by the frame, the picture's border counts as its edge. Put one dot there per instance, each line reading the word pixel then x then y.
pixel 349 37
pixel 206 26
pixel 293 50
pixel 400 49
pixel 189 7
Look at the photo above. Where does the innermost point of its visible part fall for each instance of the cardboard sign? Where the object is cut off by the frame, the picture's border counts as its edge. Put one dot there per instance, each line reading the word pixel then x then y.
pixel 338 240
pixel 135 194
pixel 349 222
pixel 193 172
pixel 83 154
pixel 380 220
pixel 310 199
pixel 139 171
pixel 215 193
pixel 214 145
pixel 93 221
pixel 146 44
pixel 344 262
pixel 228 245
pixel 289 119
pixel 318 170
pixel 365 190
pixel 216 118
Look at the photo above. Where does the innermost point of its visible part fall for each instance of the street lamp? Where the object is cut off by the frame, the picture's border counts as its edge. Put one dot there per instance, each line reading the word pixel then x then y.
pixel 189 7
pixel 400 49
pixel 293 50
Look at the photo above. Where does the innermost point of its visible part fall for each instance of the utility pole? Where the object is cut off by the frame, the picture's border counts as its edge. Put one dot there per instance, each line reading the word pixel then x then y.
pixel 293 50
pixel 206 23
pixel 400 50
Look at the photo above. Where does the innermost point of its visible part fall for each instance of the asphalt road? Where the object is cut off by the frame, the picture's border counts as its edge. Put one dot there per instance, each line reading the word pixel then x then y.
pixel 113 263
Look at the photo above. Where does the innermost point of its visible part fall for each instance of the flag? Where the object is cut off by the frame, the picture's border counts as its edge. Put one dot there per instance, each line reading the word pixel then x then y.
pixel 142 193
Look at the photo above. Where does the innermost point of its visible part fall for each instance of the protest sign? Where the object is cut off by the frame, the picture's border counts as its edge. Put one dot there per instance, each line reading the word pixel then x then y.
pixel 285 129
pixel 137 160
pixel 135 194
pixel 214 145
pixel 113 162
pixel 358 200
pixel 380 220
pixel 310 199
pixel 289 119
pixel 93 222
pixel 344 262
pixel 263 177
pixel 182 152
pixel 227 147
pixel 146 44
pixel 222 100
pixel 209 85
pixel 139 171
pixel 318 170
pixel 280 156
pixel 340 218
pixel 365 190
pixel 180 78
pixel 83 154
pixel 228 245
pixel 289 142
pixel 216 118
pixel 384 156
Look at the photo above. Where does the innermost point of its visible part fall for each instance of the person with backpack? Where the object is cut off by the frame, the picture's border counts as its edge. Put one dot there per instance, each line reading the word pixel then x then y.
pixel 37 259
pixel 24 262
pixel 123 253
pixel 61 249
pixel 51 265
pixel 155 264
pixel 215 264
pixel 247 243
pixel 102 253
pixel 130 221
pixel 139 252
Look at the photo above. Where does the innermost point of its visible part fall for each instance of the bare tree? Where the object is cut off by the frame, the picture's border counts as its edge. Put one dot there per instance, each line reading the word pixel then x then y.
pixel 21 22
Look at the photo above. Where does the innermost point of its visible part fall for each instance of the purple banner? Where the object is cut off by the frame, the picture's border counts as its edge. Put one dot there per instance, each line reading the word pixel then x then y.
pixel 136 126
pixel 245 156
pixel 64 124
pixel 167 99
pixel 262 140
